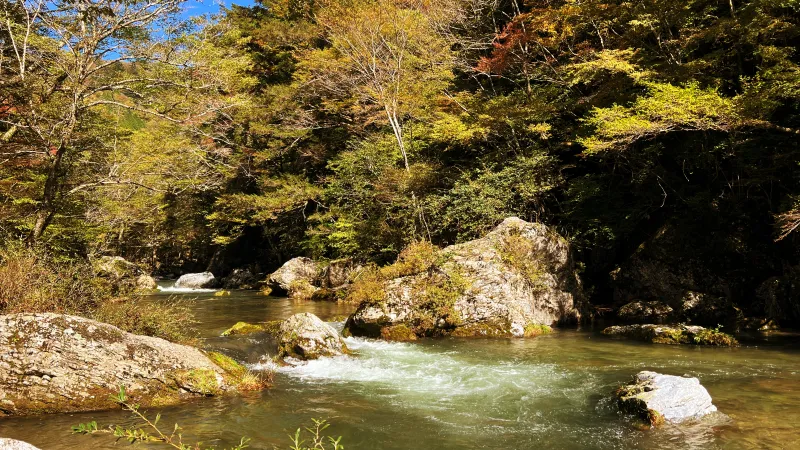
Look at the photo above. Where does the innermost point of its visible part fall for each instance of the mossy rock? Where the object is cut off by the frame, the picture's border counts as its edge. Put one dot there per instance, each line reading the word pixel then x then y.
pixel 239 376
pixel 673 334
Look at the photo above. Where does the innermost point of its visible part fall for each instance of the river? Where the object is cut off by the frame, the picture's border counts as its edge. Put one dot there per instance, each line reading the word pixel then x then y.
pixel 549 392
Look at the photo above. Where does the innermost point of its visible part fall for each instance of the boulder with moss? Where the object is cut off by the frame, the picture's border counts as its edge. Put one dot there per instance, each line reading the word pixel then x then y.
pixel 672 334
pixel 658 399
pixel 297 276
pixel 124 274
pixel 306 336
pixel 58 363
pixel 519 275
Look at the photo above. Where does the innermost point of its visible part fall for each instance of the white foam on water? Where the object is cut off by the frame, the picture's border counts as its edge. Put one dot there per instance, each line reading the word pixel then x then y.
pixel 183 290
pixel 417 374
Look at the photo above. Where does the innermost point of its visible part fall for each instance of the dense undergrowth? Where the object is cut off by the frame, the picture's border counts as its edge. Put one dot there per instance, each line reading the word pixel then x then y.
pixel 34 281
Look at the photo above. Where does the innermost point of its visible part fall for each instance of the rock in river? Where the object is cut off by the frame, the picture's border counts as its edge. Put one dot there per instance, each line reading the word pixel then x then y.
pixel 305 336
pixel 59 363
pixel 202 280
pixel 519 276
pixel 296 277
pixel 672 334
pixel 659 398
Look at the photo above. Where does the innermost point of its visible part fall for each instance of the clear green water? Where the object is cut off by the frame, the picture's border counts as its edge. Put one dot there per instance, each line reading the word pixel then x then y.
pixel 549 392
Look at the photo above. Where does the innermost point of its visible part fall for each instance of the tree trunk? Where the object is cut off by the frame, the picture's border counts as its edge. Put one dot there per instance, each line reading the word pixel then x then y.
pixel 47 208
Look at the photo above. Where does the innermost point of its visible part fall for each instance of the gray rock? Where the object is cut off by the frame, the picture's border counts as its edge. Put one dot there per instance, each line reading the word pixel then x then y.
pixel 240 279
pixel 13 444
pixel 202 280
pixel 125 274
pixel 297 277
pixel 305 336
pixel 659 398
pixel 645 312
pixel 518 275
pixel 59 363
pixel 338 273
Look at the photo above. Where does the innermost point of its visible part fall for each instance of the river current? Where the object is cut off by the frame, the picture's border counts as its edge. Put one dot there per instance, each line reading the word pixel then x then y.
pixel 549 392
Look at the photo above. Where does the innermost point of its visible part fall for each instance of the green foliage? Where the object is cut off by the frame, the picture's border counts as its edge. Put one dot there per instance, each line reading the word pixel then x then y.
pixel 147 430
pixel 314 438
pixel 666 109
pixel 33 280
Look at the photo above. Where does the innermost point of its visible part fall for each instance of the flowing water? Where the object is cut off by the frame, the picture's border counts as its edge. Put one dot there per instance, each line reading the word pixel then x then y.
pixel 548 392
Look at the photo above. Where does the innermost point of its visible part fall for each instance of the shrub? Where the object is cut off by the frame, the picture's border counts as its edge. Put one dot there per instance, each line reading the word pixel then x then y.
pixel 33 281
pixel 171 320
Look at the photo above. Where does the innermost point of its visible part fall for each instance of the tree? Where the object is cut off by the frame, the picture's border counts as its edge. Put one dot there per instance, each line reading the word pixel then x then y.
pixel 72 61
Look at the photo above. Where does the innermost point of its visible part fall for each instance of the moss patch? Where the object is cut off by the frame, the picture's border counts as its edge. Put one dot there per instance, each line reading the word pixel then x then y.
pixel 515 250
pixel 242 328
pixel 198 381
pixel 535 329
pixel 398 333
pixel 239 376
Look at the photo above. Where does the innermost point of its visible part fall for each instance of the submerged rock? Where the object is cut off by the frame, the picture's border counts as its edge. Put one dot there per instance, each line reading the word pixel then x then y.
pixel 204 280
pixel 672 334
pixel 13 444
pixel 520 274
pixel 123 273
pixel 645 312
pixel 59 363
pixel 305 336
pixel 242 328
pixel 658 398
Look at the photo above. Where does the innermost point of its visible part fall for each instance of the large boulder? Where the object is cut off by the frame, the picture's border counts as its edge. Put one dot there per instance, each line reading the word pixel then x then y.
pixel 58 363
pixel 13 444
pixel 242 278
pixel 297 276
pixel 658 398
pixel 518 276
pixel 204 280
pixel 124 274
pixel 672 334
pixel 305 336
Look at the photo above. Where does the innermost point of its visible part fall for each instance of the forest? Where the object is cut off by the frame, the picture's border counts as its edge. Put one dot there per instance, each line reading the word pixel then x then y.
pixel 659 139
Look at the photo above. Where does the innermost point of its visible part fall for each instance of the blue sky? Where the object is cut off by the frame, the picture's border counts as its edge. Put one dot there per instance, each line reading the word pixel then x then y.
pixel 197 7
